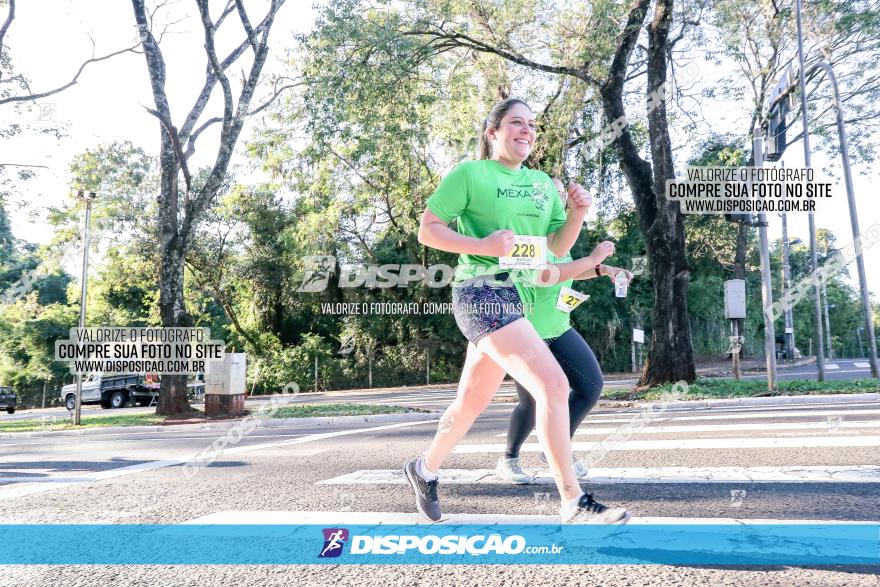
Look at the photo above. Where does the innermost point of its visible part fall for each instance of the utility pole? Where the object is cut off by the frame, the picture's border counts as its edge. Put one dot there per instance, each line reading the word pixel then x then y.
pixel 767 284
pixel 820 351
pixel 88 198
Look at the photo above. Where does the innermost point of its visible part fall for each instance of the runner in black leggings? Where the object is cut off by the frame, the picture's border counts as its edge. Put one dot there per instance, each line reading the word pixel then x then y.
pixel 575 357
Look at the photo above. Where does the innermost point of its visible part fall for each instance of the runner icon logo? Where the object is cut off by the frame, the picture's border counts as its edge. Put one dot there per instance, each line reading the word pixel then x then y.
pixel 317 273
pixel 334 540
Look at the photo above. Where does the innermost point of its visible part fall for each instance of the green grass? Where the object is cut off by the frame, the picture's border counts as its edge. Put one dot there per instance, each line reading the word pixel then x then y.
pixel 309 410
pixel 716 388
pixel 297 411
pixel 63 423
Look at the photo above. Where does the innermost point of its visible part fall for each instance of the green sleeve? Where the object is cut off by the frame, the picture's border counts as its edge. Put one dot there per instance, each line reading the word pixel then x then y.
pixel 557 212
pixel 450 198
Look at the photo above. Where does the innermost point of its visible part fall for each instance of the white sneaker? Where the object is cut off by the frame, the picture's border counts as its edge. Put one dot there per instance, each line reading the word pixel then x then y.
pixel 510 470
pixel 590 511
pixel 580 469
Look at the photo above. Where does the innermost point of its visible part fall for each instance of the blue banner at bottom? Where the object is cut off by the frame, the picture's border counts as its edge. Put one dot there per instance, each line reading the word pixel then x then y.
pixel 194 544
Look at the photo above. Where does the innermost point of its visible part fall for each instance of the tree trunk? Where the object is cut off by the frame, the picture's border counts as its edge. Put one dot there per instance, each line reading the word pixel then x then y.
pixel 173 401
pixel 670 357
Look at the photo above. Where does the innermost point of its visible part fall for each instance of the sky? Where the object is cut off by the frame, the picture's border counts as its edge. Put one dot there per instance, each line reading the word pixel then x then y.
pixel 109 104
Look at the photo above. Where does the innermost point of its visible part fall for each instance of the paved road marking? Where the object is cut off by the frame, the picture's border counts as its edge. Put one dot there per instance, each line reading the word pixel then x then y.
pixel 650 429
pixel 386 518
pixel 832 366
pixel 640 475
pixel 750 408
pixel 691 443
pixel 862 365
pixel 31 488
pixel 669 416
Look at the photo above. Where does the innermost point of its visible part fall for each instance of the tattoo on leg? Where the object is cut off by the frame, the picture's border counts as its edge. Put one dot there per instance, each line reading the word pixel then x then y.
pixel 446 423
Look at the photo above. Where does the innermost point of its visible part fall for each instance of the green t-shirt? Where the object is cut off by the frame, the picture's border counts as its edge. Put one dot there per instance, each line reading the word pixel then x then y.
pixel 547 319
pixel 483 196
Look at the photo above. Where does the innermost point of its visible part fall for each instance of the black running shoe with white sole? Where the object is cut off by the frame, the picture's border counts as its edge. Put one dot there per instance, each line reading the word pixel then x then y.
pixel 590 511
pixel 425 491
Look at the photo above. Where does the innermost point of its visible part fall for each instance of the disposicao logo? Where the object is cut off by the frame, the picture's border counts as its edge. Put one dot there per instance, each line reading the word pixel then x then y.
pixel 334 540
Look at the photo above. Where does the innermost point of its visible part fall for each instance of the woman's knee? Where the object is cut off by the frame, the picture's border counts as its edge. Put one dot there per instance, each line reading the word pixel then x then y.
pixel 556 389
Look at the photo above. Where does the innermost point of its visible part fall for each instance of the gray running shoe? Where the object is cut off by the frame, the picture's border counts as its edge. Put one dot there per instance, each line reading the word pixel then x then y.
pixel 510 470
pixel 590 511
pixel 425 491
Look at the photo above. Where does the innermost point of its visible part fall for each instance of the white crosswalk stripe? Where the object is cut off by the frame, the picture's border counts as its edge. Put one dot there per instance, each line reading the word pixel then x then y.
pixel 670 416
pixel 691 444
pixel 401 518
pixel 640 475
pixel 652 429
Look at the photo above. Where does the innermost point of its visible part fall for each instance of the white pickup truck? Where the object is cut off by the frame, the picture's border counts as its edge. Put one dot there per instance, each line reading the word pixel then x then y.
pixel 111 391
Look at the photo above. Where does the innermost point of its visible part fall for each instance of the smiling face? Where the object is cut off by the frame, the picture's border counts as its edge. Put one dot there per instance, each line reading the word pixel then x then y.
pixel 515 136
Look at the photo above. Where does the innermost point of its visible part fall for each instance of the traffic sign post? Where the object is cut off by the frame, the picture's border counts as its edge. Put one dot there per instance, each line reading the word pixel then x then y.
pixel 734 310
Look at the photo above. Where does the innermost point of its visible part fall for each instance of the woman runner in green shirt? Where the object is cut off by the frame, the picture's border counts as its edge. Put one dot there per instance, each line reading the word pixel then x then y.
pixel 507 218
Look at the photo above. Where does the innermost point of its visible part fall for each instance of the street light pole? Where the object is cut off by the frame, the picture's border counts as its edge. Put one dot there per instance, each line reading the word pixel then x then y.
pixel 853 220
pixel 87 198
pixel 820 351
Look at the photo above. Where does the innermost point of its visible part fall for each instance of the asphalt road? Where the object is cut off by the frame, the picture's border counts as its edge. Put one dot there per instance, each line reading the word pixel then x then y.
pixel 817 462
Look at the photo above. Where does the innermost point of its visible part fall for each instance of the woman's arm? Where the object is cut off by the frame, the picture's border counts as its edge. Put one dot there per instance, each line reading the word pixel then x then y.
pixel 561 241
pixel 571 270
pixel 579 202
pixel 604 270
pixel 435 233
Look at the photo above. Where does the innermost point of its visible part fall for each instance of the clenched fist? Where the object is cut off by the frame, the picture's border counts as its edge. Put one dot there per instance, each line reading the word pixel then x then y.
pixel 602 251
pixel 578 198
pixel 499 243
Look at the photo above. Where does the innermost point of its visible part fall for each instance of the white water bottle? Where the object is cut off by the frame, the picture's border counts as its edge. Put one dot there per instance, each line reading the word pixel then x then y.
pixel 621 283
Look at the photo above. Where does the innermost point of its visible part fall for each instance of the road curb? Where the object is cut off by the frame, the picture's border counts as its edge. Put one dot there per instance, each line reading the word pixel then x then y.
pixel 776 400
pixel 228 424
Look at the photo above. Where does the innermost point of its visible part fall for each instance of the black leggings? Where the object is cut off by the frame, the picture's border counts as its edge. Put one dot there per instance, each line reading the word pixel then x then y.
pixel 584 376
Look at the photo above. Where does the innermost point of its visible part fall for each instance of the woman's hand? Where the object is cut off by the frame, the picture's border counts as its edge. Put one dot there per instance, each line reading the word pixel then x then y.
pixel 612 272
pixel 602 251
pixel 578 198
pixel 498 244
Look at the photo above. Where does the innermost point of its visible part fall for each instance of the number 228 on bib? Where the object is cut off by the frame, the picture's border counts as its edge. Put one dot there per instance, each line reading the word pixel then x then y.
pixel 529 252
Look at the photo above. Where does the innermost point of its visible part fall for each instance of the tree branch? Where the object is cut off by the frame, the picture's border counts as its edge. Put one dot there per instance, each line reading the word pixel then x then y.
pixel 448 40
pixel 72 82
